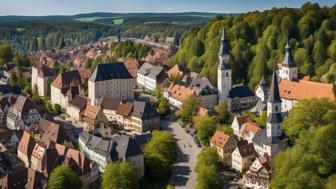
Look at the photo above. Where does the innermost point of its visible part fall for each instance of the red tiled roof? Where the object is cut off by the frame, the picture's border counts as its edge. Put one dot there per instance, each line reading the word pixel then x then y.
pixel 220 139
pixel 300 90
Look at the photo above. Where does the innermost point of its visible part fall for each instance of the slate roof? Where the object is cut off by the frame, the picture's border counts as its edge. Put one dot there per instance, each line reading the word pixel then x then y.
pixel 117 148
pixel 288 59
pixel 261 138
pixel 274 118
pixel 110 71
pixel 263 82
pixel 274 96
pixel 150 71
pixel 144 110
pixel 241 91
pixel 5 89
pixel 224 48
pixel 202 86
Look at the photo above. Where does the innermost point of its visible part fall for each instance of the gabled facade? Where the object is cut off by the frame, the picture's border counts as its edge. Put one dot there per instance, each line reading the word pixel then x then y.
pixel 243 157
pixel 149 76
pixel 22 114
pixel 41 74
pixel 119 148
pixel 259 173
pixel 67 85
pixel 225 145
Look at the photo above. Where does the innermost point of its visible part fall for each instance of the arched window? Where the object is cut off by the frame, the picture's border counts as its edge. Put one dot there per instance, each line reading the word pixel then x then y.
pixel 276 108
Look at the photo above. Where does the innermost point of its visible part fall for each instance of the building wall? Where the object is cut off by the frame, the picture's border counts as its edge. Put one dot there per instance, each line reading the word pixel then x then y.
pixel 73 112
pixel 260 94
pixel 55 95
pixel 286 73
pixel 208 101
pixel 225 153
pixel 23 157
pixel 241 163
pixel 224 84
pixel 146 82
pixel 287 105
pixel 115 88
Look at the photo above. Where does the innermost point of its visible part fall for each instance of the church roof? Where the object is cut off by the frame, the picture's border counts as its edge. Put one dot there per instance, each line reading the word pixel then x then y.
pixel 274 96
pixel 288 60
pixel 263 82
pixel 110 71
pixel 224 48
pixel 241 91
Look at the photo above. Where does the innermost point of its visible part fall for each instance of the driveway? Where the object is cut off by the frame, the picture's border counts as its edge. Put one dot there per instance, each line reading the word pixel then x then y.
pixel 183 174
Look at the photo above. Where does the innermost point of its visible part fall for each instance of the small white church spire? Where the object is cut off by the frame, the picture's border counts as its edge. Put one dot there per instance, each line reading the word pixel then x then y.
pixel 224 72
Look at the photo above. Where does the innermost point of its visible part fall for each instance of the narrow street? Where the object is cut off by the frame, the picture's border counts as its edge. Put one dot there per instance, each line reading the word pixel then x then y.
pixel 183 173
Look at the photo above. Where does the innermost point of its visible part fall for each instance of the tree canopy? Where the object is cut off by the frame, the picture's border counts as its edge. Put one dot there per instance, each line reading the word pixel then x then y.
pixel 257 41
pixel 119 176
pixel 64 177
pixel 310 162
pixel 207 169
pixel 160 154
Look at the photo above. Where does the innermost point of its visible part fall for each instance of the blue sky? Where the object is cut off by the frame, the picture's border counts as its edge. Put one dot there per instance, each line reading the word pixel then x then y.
pixel 69 7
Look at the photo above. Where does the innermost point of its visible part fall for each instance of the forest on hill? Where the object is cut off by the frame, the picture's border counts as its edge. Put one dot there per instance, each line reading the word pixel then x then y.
pixel 31 33
pixel 257 41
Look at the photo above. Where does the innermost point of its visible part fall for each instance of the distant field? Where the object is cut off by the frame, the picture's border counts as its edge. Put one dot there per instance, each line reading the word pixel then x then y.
pixel 118 21
pixel 91 19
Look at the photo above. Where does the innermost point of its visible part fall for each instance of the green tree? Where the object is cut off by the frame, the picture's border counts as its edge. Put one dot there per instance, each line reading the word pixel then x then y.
pixel 311 161
pixel 64 177
pixel 57 109
pixel 205 128
pixel 163 106
pixel 319 53
pixel 189 108
pixel 119 176
pixel 307 114
pixel 222 112
pixel 13 79
pixel 6 53
pixel 207 169
pixel 160 152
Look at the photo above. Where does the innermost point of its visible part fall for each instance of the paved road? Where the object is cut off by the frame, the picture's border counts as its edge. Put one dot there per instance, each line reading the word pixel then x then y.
pixel 183 174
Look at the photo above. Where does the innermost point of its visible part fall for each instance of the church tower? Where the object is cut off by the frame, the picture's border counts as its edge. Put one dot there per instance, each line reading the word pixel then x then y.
pixel 288 70
pixel 274 116
pixel 224 73
pixel 262 90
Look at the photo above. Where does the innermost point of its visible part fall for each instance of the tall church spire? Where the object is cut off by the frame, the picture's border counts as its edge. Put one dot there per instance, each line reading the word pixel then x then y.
pixel 224 52
pixel 274 116
pixel 274 96
pixel 224 48
pixel 224 74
